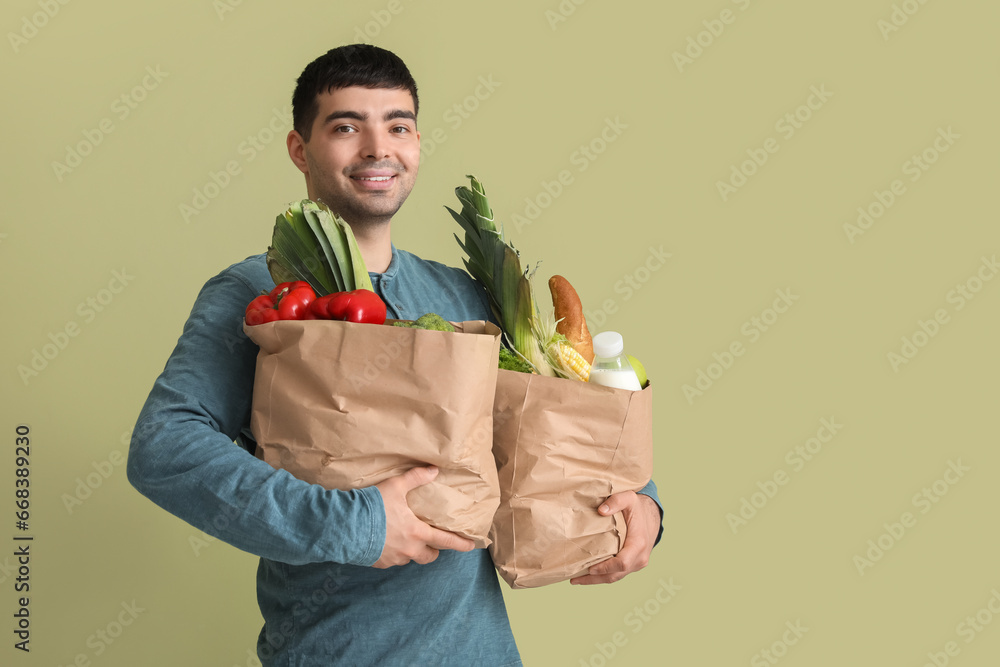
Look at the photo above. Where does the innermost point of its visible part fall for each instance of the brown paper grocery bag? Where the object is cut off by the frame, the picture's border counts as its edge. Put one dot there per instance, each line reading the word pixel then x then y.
pixel 347 405
pixel 562 447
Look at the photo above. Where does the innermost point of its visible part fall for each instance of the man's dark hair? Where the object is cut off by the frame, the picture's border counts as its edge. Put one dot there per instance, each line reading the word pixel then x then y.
pixel 354 65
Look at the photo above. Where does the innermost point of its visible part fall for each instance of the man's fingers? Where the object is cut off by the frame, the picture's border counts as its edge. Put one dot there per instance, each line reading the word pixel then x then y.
pixel 634 554
pixel 419 476
pixel 617 502
pixel 609 566
pixel 628 560
pixel 426 555
pixel 631 558
pixel 597 579
pixel 606 572
pixel 442 539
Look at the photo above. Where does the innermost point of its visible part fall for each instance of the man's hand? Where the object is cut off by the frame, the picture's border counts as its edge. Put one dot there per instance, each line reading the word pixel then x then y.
pixel 407 537
pixel 642 522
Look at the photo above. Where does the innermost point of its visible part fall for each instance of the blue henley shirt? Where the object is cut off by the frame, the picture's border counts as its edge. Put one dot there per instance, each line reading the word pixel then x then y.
pixel 322 602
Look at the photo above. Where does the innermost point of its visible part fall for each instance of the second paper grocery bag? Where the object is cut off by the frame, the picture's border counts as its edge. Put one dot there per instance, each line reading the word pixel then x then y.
pixel 562 447
pixel 348 405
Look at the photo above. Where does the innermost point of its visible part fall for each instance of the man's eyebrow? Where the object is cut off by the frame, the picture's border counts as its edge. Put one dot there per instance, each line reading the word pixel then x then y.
pixel 353 115
pixel 400 113
pixel 362 117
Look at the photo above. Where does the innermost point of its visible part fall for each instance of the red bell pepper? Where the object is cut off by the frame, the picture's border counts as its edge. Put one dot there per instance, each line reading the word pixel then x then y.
pixel 297 301
pixel 281 288
pixel 360 305
pixel 261 310
pixel 318 308
pixel 287 301
pixel 294 303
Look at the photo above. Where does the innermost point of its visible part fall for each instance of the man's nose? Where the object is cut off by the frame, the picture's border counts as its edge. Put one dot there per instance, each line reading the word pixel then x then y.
pixel 375 146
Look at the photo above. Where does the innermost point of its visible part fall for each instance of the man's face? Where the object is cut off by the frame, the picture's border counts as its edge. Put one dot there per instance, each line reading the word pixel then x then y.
pixel 363 154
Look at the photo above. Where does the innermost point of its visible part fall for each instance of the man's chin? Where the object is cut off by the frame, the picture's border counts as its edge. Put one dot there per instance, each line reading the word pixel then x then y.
pixel 367 208
pixel 370 216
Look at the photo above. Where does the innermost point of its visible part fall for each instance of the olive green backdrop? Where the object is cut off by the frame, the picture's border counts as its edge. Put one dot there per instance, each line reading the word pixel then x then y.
pixel 829 469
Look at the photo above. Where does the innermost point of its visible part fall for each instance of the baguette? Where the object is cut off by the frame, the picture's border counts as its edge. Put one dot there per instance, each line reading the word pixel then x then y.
pixel 569 314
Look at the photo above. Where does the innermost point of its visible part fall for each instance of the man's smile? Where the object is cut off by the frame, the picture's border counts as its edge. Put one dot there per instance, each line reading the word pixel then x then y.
pixel 374 179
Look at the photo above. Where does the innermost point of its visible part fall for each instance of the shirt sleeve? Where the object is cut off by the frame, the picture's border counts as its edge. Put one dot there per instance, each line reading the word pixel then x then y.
pixel 183 456
pixel 650 490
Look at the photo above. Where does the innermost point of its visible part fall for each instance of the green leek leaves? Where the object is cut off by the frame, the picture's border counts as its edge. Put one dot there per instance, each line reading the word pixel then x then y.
pixel 313 244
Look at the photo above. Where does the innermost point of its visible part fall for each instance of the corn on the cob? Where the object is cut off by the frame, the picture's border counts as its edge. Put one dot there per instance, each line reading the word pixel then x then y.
pixel 572 362
pixel 496 264
pixel 559 353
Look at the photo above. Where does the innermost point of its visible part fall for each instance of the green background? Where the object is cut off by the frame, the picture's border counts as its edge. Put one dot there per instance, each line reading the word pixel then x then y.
pixel 226 68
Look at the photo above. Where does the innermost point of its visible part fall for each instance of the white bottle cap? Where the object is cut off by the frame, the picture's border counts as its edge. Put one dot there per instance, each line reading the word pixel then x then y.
pixel 608 344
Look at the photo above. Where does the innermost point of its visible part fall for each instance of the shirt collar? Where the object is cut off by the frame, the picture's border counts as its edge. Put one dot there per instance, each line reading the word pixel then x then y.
pixel 392 269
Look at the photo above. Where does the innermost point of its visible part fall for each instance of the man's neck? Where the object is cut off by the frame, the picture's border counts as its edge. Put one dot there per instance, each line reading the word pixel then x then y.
pixel 375 245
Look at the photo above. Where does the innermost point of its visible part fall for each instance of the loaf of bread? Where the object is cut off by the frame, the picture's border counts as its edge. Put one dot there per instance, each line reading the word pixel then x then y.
pixel 569 314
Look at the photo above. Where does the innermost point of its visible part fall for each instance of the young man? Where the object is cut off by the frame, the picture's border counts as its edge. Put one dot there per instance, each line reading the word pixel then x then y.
pixel 345 577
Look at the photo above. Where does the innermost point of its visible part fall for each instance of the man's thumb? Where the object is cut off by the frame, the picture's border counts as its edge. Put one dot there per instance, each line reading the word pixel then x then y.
pixel 419 476
pixel 616 502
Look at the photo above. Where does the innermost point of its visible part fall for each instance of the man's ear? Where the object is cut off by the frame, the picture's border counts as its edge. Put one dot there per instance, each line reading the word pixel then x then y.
pixel 296 151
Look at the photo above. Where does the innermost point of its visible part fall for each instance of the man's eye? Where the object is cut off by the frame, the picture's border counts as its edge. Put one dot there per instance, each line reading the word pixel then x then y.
pixel 400 129
pixel 343 128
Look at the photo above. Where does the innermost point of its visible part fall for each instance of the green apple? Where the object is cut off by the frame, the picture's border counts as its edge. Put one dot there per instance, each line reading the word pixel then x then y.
pixel 639 369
